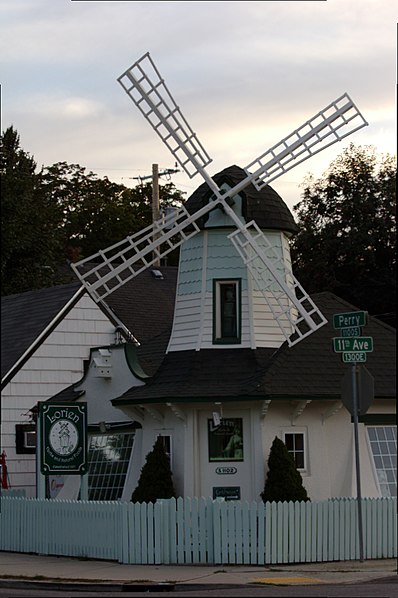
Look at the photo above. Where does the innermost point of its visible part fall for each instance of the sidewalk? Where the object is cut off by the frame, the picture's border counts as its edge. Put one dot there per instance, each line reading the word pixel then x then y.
pixel 18 567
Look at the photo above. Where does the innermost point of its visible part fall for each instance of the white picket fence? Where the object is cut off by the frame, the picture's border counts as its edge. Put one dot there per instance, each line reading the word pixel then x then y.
pixel 199 530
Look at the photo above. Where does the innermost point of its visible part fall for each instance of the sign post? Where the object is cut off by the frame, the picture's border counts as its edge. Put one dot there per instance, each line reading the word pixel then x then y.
pixel 354 349
pixel 357 464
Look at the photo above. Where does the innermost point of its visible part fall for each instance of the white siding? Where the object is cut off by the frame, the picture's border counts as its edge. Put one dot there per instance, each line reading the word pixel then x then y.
pixel 56 364
pixel 208 256
pixel 267 332
pixel 187 323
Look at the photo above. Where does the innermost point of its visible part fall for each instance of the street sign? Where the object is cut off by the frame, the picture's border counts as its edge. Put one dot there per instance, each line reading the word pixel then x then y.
pixel 348 357
pixel 63 438
pixel 353 331
pixel 356 344
pixel 365 390
pixel 350 319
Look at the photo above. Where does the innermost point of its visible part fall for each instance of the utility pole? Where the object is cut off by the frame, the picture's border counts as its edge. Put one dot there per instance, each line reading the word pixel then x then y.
pixel 155 197
pixel 155 206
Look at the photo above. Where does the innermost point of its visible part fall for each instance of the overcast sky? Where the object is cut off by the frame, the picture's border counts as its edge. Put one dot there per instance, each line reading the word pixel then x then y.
pixel 244 74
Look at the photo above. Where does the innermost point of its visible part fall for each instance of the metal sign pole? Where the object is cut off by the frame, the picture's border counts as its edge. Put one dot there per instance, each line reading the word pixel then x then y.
pixel 357 466
pixel 40 478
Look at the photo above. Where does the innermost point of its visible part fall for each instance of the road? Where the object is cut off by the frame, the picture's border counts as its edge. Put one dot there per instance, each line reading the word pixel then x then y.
pixel 381 588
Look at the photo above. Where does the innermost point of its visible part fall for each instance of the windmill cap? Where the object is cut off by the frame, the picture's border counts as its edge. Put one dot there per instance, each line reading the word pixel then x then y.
pixel 265 207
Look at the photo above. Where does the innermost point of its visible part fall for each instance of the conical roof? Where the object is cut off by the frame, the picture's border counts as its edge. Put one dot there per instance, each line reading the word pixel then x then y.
pixel 265 207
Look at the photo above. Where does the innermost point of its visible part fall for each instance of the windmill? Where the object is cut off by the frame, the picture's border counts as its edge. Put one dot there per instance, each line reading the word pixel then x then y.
pixel 292 308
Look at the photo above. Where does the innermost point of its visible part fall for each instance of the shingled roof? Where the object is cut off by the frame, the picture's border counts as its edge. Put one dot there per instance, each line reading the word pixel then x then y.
pixel 309 369
pixel 145 305
pixel 25 317
pixel 266 207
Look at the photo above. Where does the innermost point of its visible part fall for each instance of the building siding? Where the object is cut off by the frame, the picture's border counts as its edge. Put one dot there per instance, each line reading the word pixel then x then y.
pixel 56 364
pixel 210 256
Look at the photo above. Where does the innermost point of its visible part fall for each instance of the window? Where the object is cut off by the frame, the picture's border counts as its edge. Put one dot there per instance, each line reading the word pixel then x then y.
pixel 295 444
pixel 25 439
pixel 108 461
pixel 166 441
pixel 226 311
pixel 383 444
pixel 226 440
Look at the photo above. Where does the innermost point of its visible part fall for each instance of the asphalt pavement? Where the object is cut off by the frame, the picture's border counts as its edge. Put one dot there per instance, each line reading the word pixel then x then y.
pixel 19 569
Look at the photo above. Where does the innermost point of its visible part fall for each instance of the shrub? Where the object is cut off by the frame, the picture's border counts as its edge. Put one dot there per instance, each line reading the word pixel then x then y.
pixel 283 481
pixel 156 479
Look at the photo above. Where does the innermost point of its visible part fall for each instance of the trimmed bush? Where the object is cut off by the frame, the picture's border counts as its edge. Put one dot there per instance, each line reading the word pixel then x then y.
pixel 283 482
pixel 156 479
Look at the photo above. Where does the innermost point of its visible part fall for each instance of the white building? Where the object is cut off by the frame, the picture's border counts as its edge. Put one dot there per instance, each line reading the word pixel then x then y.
pixel 222 383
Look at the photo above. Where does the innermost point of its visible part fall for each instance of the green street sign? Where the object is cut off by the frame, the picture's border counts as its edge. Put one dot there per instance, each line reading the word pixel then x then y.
pixel 349 319
pixel 355 344
pixel 359 357
pixel 63 438
pixel 354 331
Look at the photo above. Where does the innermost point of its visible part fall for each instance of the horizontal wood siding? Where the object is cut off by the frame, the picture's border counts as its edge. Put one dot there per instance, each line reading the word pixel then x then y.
pixel 55 365
pixel 267 332
pixel 200 530
pixel 212 253
pixel 187 322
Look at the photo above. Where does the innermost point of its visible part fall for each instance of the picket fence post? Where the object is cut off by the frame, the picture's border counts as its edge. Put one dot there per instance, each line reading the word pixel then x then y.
pixel 199 530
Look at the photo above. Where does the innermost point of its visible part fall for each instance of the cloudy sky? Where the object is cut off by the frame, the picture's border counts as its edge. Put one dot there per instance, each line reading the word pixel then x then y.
pixel 244 74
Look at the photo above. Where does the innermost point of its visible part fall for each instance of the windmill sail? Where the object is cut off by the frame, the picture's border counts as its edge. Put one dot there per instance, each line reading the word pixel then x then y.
pixel 145 86
pixel 338 120
pixel 291 306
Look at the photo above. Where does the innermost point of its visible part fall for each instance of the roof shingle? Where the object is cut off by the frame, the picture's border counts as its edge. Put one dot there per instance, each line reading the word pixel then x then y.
pixel 266 207
pixel 309 369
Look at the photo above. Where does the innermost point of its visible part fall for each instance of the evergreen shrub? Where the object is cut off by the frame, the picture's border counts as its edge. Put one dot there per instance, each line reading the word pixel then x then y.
pixel 283 481
pixel 156 479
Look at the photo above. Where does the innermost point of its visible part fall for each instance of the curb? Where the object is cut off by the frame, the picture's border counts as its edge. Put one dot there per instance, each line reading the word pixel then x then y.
pixel 86 586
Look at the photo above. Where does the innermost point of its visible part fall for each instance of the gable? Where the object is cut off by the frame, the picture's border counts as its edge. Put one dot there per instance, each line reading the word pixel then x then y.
pixel 28 318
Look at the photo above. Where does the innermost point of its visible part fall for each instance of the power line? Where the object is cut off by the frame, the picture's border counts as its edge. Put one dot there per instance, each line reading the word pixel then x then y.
pixel 167 172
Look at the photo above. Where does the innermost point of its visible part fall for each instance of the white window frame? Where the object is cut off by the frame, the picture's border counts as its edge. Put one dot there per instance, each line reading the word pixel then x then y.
pixel 166 434
pixel 372 456
pixel 304 433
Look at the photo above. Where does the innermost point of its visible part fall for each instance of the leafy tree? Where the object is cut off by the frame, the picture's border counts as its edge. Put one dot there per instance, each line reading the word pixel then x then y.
pixel 98 213
pixel 61 214
pixel 346 241
pixel 156 479
pixel 31 248
pixel 283 482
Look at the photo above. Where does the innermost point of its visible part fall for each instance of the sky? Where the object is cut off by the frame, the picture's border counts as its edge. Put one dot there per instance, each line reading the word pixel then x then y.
pixel 244 74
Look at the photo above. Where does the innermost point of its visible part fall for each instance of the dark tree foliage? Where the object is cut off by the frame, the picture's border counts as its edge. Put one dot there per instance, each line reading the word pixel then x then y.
pixel 98 213
pixel 156 479
pixel 30 245
pixel 283 481
pixel 347 222
pixel 63 214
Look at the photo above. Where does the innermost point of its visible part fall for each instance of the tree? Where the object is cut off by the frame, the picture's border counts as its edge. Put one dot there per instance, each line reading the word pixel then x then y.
pixel 98 213
pixel 61 214
pixel 156 478
pixel 283 481
pixel 31 248
pixel 347 227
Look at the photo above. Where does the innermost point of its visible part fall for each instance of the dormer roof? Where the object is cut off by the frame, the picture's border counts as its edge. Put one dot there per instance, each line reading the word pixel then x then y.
pixel 265 207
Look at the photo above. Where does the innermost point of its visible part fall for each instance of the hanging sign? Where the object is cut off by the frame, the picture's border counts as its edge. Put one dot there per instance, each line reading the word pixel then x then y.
pixel 63 438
